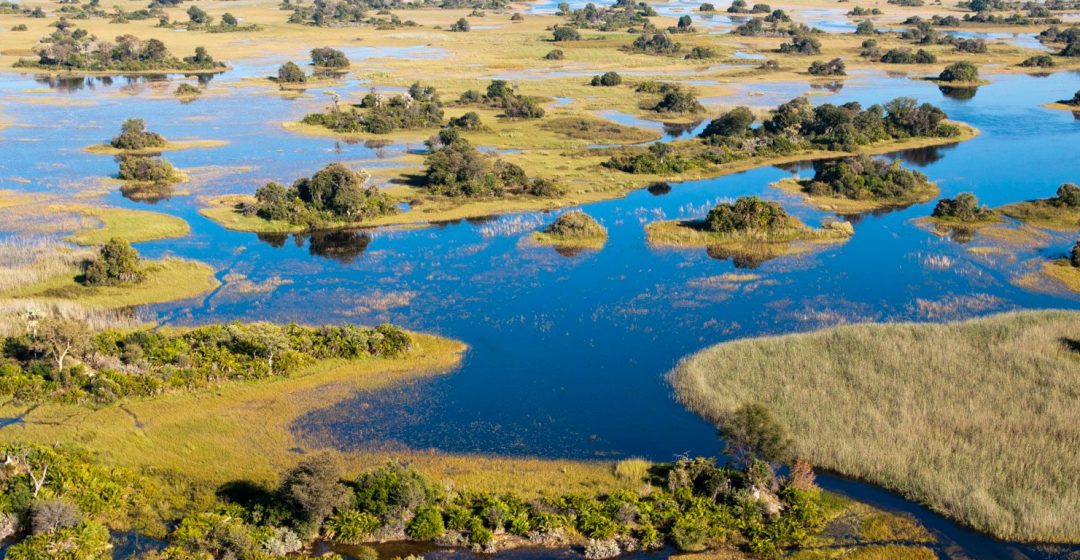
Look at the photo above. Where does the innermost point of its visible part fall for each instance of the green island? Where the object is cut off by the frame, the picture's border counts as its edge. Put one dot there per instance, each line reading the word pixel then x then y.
pixel 749 230
pixel 1067 104
pixel 1000 466
pixel 573 229
pixel 1060 212
pixel 72 49
pixel 135 140
pixel 861 184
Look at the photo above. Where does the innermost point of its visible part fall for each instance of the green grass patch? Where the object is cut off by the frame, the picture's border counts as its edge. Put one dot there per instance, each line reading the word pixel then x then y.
pixel 976 419
pixel 1041 213
pixel 131 225
pixel 756 246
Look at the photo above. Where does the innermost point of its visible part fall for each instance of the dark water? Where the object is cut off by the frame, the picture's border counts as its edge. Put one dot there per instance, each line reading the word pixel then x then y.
pixel 567 353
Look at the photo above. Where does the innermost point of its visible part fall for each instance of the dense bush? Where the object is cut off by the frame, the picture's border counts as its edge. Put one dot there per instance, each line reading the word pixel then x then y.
pixel 905 56
pixel 866 27
pixel 623 14
pixel 1068 196
pixel 964 208
pixel 655 43
pixel 555 54
pixel 575 225
pixel 962 71
pixel 1038 61
pixel 461 26
pixel 747 214
pixel 326 57
pixel 678 100
pixel 117 262
pixel 467 121
pixel 607 79
pixel 187 90
pixel 864 178
pixel 501 94
pixel 1074 255
pixel 566 34
pixel 706 7
pixel 334 194
pixel 146 169
pixel 119 363
pixel 456 168
pixel 701 53
pixel 802 44
pixel 134 136
pixel 290 73
pixel 834 67
pixel 734 123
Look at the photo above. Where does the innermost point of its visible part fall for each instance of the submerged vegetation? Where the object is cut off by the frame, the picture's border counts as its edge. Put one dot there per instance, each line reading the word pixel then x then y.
pixel 1002 455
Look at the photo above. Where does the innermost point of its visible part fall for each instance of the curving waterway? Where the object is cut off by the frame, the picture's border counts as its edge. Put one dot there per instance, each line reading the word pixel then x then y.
pixel 567 351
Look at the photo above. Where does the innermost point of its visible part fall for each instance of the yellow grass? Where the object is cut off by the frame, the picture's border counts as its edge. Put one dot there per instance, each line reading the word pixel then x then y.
pixel 796 238
pixel 977 419
pixel 170 146
pixel 1040 213
pixel 1065 273
pixel 596 242
pixel 166 280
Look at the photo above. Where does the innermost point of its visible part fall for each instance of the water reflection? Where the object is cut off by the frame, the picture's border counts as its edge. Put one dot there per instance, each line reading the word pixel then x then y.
pixel 341 245
pixel 659 189
pixel 959 93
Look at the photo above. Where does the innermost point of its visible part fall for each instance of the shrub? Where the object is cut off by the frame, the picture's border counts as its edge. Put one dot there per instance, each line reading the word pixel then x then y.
pixel 575 225
pixel 706 7
pixel 461 26
pixel 479 534
pixel 326 57
pixel 312 491
pixel 334 193
pixel 678 101
pixel 187 90
pixel 146 169
pixel 467 121
pixel 49 516
pixel 426 525
pixel 701 53
pixel 802 44
pixel 351 527
pixel 564 33
pixel 834 67
pixel 866 27
pixel 1038 61
pixel 864 178
pixel 554 54
pixel 655 43
pixel 735 122
pixel 117 263
pixel 1074 255
pixel 607 79
pixel 965 208
pixel 747 214
pixel 632 470
pixel 1068 196
pixel 229 19
pixel 517 17
pixel 134 136
pixel 291 73
pixel 393 491
pixel 962 71
pixel 753 432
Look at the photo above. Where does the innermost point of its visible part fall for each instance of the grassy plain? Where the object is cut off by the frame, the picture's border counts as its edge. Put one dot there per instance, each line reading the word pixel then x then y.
pixel 975 419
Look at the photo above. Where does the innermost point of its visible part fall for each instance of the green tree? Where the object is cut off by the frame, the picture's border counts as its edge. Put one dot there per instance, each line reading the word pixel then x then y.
pixel 753 432
pixel 564 33
pixel 735 122
pixel 291 73
pixel 962 71
pixel 58 338
pixel 117 263
pixel 313 491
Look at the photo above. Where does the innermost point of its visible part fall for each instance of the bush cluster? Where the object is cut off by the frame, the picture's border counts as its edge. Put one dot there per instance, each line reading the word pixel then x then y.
pixel 606 79
pixel 383 115
pixel 117 262
pixel 146 169
pixel 62 360
pixel 134 136
pixel 964 208
pixel 500 93
pixel 333 194
pixel 326 57
pixel 962 71
pixel 76 49
pixel 622 15
pixel 575 225
pixel 747 214
pixel 834 67
pixel 455 168
pixel 864 178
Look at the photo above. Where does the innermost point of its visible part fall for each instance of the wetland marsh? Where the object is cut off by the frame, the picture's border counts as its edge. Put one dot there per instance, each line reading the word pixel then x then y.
pixel 543 365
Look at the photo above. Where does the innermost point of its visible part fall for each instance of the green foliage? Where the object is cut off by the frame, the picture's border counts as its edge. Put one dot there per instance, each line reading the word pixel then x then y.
pixel 734 123
pixel 144 363
pixel 145 169
pixel 1038 61
pixel 655 43
pixel 76 49
pixel 335 193
pixel 561 34
pixel 575 225
pixel 1068 196
pixel 607 79
pixel 290 73
pixel 312 490
pixel 426 525
pixel 117 263
pixel 394 491
pixel 187 90
pixel 555 54
pixel 134 136
pixel 964 208
pixel 383 115
pixel 864 178
pixel 678 100
pixel 86 541
pixel 457 169
pixel 834 67
pixel 747 214
pixel 461 26
pixel 326 57
pixel 753 432
pixel 802 44
pixel 351 527
pixel 905 56
pixel 1074 255
pixel 962 71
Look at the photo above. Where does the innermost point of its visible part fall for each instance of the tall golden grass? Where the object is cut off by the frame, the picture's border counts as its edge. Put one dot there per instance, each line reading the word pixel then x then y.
pixel 980 420
pixel 29 260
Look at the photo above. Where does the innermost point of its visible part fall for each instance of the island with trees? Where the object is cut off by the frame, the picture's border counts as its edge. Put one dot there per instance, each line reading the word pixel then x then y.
pixel 135 140
pixel 1060 212
pixel 749 230
pixel 71 49
pixel 573 230
pixel 861 184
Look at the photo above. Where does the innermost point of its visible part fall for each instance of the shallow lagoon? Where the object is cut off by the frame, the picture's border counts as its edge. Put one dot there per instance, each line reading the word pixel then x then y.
pixel 567 353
